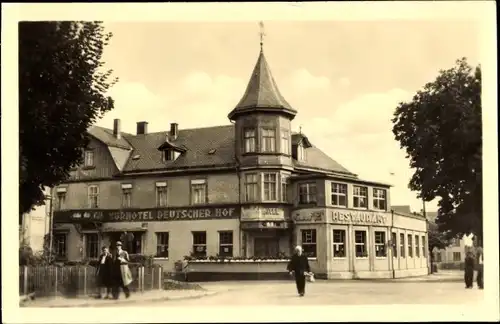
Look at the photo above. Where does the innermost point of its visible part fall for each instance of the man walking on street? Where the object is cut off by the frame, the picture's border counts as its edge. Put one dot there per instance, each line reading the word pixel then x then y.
pixel 469 270
pixel 299 266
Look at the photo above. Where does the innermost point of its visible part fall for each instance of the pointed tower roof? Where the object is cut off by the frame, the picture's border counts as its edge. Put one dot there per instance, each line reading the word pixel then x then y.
pixel 262 93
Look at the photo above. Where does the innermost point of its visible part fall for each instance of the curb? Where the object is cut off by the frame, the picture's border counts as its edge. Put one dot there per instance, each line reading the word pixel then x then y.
pixel 129 301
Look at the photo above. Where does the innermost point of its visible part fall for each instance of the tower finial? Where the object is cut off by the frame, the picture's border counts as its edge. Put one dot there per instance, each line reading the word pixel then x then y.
pixel 261 34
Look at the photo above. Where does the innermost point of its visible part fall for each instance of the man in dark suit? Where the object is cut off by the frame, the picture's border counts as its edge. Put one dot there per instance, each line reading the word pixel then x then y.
pixel 299 266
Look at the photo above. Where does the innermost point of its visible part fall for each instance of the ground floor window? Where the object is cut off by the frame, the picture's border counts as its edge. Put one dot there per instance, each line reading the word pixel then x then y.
pixel 410 246
pixel 226 243
pixel 424 248
pixel 60 240
pixel 265 246
pixel 339 243
pixel 162 240
pixel 380 247
pixel 309 242
pixel 457 256
pixel 360 243
pixel 91 245
pixel 417 247
pixel 401 245
pixel 200 244
pixel 394 245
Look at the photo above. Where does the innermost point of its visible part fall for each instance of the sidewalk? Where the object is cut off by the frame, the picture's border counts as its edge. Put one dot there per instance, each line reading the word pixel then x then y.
pixel 440 276
pixel 150 296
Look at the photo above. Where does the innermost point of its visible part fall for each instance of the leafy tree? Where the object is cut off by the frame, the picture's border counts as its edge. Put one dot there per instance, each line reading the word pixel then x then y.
pixel 62 91
pixel 441 131
pixel 437 240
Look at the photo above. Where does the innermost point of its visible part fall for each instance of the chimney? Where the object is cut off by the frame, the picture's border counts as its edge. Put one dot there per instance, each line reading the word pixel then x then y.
pixel 174 131
pixel 116 128
pixel 142 128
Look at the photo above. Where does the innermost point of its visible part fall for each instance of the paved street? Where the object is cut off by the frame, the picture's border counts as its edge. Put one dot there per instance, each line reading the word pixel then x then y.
pixel 330 293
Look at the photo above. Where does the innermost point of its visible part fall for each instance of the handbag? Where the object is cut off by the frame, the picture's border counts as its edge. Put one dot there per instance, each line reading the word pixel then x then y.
pixel 310 277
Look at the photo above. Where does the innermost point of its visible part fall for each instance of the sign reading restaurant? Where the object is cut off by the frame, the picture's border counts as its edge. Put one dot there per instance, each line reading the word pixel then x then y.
pixel 357 217
pixel 147 215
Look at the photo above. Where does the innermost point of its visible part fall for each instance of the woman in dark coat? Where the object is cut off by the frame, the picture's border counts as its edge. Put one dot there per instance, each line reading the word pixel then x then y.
pixel 104 273
pixel 299 267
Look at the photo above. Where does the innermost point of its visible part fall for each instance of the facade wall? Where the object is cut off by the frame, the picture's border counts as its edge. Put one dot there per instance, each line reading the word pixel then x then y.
pixel 221 188
pixel 371 265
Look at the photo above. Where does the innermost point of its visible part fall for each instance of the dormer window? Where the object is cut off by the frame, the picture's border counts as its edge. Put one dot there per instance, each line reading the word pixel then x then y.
pixel 301 152
pixel 170 152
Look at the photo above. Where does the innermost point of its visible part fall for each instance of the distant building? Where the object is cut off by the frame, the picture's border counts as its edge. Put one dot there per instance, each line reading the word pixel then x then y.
pixel 35 225
pixel 252 188
pixel 453 254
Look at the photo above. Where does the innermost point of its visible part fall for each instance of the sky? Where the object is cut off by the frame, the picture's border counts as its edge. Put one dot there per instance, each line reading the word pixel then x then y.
pixel 345 79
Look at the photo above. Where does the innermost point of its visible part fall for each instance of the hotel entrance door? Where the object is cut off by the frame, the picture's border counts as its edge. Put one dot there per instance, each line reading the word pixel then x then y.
pixel 265 246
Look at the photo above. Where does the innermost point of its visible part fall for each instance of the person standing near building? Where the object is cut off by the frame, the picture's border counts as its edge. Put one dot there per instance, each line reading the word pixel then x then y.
pixel 479 276
pixel 469 270
pixel 122 275
pixel 104 276
pixel 299 267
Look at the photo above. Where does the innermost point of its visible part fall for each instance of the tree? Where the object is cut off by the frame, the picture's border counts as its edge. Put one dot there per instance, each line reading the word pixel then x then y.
pixel 437 240
pixel 62 91
pixel 441 131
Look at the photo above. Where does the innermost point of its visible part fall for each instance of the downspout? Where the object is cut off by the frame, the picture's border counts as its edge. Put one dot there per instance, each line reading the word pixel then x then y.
pixel 237 168
pixel 393 248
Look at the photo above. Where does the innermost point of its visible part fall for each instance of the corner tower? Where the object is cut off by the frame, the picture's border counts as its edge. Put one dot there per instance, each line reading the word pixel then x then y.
pixel 262 121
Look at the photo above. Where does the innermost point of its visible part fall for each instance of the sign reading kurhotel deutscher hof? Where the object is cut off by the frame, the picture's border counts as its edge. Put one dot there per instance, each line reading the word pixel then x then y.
pixel 146 215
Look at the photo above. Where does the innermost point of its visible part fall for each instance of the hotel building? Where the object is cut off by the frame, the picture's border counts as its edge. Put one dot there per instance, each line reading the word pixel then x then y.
pixel 252 188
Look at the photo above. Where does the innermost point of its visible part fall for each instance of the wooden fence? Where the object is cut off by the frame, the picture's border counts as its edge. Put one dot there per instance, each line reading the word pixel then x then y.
pixel 74 281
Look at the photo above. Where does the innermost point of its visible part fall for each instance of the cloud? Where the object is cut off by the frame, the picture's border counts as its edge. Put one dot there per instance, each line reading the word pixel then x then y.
pixel 303 80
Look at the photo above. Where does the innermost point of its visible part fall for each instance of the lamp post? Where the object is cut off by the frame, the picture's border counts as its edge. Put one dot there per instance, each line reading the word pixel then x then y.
pixel 51 223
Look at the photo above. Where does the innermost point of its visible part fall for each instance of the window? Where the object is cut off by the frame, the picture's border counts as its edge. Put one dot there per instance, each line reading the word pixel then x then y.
pixel 284 187
pixel 417 247
pixel 61 199
pixel 379 199
pixel 88 158
pixel 251 187
pixel 339 194
pixel 268 140
pixel 198 192
pixel 126 195
pixel 270 186
pixel 309 242
pixel 424 248
pixel 168 155
pixel 457 256
pixel 402 246
pixel 162 239
pixel 200 244
pixel 394 245
pixel 360 242
pixel 91 245
pixel 226 243
pixel 410 246
pixel 285 142
pixel 301 152
pixel 338 243
pixel 360 197
pixel 307 193
pixel 161 194
pixel 60 245
pixel 93 197
pixel 249 139
pixel 380 246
